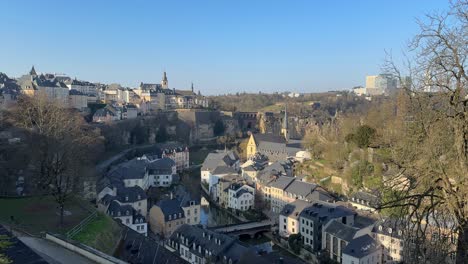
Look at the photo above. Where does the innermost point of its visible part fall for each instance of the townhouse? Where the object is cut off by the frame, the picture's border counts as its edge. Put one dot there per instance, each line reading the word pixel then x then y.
pixel 198 245
pixel 169 214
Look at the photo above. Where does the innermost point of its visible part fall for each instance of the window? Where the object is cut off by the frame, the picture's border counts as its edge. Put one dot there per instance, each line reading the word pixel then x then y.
pixel 293 230
pixel 195 219
pixel 127 221
pixel 284 227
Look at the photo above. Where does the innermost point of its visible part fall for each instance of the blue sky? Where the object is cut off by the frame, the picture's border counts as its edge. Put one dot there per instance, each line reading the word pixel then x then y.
pixel 222 46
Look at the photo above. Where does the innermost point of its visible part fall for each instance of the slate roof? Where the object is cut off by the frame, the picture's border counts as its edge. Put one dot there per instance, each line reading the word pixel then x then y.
pixel 207 239
pixel 18 252
pixel 241 192
pixel 324 211
pixel 114 209
pixel 389 227
pixel 269 138
pixel 161 166
pixel 294 209
pixel 223 170
pixel 131 194
pixel 171 207
pixel 219 158
pixel 365 198
pixel 133 169
pixel 137 248
pixel 361 247
pixel 300 188
pixel 340 230
pixel 281 182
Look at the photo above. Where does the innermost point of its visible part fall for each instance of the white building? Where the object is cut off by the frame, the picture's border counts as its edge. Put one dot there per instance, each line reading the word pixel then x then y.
pixel 241 197
pixel 219 159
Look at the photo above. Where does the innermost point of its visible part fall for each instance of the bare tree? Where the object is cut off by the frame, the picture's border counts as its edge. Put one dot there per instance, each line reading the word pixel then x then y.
pixel 433 154
pixel 61 148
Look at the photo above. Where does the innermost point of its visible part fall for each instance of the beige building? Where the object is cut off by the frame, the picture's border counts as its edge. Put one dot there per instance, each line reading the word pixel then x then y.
pixel 169 214
pixel 166 216
pixel 390 235
pixel 289 218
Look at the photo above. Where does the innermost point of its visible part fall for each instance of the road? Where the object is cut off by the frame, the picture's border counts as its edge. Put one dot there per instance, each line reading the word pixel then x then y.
pixel 53 253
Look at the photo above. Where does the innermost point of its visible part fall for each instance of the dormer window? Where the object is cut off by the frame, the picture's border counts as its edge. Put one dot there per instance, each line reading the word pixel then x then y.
pixel 380 228
pixel 118 213
pixel 126 198
pixel 127 212
pixel 139 197
pixel 170 216
pixel 389 230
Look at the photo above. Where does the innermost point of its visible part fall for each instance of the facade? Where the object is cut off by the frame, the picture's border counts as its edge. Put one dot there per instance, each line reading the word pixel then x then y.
pixel 166 216
pixel 289 222
pixel 170 214
pixel 381 84
pixel 389 234
pixel 315 217
pixel 161 172
pixel 54 88
pixel 241 197
pixel 219 159
pixel 179 154
pixel 336 237
pixel 198 246
pixel 128 204
pixel 277 148
pixel 364 201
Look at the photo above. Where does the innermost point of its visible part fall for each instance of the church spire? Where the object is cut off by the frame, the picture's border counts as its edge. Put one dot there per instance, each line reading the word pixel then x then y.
pixel 164 82
pixel 192 87
pixel 32 71
pixel 285 127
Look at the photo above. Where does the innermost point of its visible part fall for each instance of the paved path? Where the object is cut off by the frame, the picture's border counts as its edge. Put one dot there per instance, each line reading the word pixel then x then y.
pixel 54 253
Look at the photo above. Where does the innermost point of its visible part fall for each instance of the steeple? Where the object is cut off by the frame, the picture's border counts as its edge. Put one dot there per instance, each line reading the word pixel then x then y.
pixel 285 127
pixel 164 82
pixel 192 87
pixel 33 71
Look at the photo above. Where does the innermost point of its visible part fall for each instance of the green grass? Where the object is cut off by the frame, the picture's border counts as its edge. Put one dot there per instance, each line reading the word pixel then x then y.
pixel 39 214
pixel 102 233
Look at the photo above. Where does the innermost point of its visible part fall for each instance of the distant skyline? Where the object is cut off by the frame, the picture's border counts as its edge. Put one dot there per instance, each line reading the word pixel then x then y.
pixel 220 46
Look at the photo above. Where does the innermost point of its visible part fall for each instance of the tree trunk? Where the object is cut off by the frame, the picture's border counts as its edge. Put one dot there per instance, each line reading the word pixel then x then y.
pixel 61 214
pixel 462 244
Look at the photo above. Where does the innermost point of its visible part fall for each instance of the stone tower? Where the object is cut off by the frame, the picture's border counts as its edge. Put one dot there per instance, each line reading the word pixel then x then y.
pixel 164 83
pixel 285 127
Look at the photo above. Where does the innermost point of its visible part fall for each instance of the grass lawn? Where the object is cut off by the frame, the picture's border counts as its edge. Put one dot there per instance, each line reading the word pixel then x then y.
pixel 102 233
pixel 40 213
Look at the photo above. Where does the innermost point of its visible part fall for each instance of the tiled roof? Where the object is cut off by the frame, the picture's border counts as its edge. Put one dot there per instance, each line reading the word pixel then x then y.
pixel 115 208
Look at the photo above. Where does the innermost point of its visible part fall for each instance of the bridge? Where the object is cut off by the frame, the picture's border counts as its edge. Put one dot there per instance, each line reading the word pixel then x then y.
pixel 251 229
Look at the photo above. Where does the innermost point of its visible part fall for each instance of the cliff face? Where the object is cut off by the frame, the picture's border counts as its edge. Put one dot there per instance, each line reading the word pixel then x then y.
pixel 143 130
